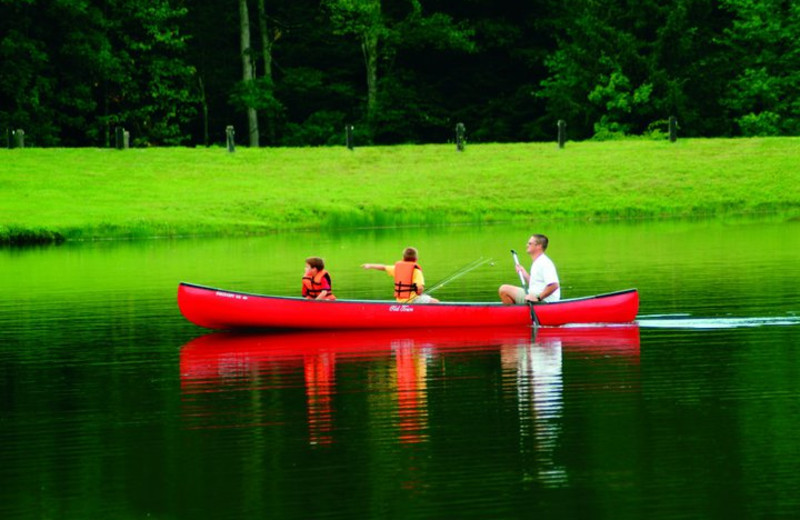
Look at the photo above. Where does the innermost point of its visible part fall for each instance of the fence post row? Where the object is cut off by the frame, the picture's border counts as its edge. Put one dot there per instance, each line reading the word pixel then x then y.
pixel 16 138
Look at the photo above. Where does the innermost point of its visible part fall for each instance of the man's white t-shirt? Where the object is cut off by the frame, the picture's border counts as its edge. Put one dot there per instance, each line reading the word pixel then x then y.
pixel 543 273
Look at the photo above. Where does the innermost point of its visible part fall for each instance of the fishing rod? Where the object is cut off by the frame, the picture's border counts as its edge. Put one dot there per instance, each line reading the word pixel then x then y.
pixel 459 273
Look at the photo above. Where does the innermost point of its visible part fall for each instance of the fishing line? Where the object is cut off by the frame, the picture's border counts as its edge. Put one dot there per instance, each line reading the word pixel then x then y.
pixel 459 273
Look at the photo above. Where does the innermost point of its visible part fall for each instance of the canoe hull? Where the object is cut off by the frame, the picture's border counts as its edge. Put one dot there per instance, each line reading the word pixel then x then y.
pixel 228 310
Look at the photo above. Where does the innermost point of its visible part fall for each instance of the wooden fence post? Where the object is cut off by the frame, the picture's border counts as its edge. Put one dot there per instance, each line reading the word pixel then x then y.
pixel 19 138
pixel 229 141
pixel 673 129
pixel 562 133
pixel 461 132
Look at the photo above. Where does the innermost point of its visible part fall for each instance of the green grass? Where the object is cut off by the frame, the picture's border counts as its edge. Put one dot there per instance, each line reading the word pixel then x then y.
pixel 50 194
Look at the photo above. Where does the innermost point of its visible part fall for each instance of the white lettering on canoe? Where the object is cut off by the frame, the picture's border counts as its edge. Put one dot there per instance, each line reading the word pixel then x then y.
pixel 231 295
pixel 401 308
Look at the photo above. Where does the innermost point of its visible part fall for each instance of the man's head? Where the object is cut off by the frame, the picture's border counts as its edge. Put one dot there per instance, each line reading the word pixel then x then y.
pixel 535 242
pixel 410 254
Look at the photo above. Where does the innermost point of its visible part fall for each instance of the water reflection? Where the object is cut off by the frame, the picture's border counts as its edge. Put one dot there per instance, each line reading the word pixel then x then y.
pixel 228 363
pixel 536 370
pixel 411 391
pixel 216 368
pixel 320 374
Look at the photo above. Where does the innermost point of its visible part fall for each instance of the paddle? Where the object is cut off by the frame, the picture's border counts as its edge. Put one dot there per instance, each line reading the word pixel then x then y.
pixel 534 318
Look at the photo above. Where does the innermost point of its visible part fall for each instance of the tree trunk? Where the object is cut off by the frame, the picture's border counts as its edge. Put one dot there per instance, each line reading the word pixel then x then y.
pixel 369 47
pixel 107 129
pixel 266 40
pixel 266 51
pixel 204 105
pixel 247 69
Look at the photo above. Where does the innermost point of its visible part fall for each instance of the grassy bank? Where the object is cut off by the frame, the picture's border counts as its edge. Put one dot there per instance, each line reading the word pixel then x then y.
pixel 50 194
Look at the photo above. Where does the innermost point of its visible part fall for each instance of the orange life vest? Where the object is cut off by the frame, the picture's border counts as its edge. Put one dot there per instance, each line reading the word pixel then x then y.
pixel 404 286
pixel 312 286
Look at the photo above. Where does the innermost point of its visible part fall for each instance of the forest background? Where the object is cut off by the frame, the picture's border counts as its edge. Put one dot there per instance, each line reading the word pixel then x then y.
pixel 295 73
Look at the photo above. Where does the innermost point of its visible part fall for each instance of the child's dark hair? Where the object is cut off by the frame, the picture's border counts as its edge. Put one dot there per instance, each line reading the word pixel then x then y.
pixel 315 262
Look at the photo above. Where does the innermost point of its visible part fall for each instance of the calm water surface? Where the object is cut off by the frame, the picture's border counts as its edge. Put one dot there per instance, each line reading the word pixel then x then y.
pixel 113 406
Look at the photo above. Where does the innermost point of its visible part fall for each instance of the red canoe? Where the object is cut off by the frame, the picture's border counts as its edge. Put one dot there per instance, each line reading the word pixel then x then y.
pixel 228 310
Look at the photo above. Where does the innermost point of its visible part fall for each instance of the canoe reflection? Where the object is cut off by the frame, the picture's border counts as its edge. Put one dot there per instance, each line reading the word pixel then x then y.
pixel 221 363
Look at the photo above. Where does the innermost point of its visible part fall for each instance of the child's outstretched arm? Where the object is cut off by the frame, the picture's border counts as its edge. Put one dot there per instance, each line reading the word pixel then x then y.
pixel 379 267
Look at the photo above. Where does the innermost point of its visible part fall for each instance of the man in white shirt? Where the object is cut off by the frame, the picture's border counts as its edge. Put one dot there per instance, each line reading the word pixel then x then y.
pixel 542 280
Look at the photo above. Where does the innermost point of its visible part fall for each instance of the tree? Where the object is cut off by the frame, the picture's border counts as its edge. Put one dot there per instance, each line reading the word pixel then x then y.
pixel 618 68
pixel 616 99
pixel 150 86
pixel 248 73
pixel 764 90
pixel 381 35
pixel 73 69
pixel 599 64
pixel 47 70
pixel 363 19
pixel 268 38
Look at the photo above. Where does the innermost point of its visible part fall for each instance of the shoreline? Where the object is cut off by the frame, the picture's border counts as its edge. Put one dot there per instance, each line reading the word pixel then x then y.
pixel 54 239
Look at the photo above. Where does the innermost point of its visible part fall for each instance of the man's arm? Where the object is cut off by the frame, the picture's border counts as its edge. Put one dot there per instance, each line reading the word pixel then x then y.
pixel 547 291
pixel 524 273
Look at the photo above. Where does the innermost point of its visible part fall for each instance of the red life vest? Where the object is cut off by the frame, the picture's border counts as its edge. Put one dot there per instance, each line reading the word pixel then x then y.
pixel 404 286
pixel 312 286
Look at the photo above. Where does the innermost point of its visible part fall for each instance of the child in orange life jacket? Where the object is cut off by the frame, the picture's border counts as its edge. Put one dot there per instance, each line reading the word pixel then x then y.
pixel 317 281
pixel 409 283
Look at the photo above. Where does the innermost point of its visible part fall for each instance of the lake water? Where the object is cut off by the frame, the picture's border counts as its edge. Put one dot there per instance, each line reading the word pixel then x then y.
pixel 114 406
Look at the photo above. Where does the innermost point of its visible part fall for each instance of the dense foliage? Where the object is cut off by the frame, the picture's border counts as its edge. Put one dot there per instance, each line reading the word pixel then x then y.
pixel 170 71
